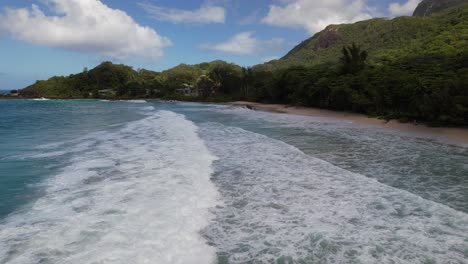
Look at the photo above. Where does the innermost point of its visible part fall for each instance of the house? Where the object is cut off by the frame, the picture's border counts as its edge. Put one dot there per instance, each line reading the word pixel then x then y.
pixel 188 90
pixel 106 92
pixel 152 92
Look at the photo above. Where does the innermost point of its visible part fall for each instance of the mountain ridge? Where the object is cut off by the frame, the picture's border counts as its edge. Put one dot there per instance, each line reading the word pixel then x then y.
pixel 429 7
pixel 385 39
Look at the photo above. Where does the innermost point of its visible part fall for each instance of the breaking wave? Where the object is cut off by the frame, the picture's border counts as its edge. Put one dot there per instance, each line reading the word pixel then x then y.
pixel 136 195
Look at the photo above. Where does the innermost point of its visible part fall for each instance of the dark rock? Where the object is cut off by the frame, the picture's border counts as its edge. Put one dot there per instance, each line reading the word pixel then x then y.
pixel 327 38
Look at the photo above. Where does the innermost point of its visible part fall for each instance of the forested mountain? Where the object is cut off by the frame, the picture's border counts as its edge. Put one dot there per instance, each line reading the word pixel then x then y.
pixel 428 7
pixel 443 33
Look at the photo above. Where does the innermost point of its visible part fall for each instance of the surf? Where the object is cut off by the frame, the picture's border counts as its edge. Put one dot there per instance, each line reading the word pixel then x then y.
pixel 139 194
pixel 282 205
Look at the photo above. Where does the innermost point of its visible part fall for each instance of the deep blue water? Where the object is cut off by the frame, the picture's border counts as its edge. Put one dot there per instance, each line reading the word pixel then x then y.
pixel 91 181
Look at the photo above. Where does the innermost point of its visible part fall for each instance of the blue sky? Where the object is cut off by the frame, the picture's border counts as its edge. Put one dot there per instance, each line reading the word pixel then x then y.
pixel 42 38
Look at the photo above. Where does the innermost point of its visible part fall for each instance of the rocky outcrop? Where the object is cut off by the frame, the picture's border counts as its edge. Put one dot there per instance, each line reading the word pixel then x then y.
pixel 327 38
pixel 428 7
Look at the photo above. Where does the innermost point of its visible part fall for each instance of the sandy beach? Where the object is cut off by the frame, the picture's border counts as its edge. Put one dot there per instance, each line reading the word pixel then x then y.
pixel 457 136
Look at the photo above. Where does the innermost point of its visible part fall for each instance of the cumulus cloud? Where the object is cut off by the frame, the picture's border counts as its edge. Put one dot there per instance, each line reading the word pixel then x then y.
pixel 83 26
pixel 245 43
pixel 407 8
pixel 203 15
pixel 314 16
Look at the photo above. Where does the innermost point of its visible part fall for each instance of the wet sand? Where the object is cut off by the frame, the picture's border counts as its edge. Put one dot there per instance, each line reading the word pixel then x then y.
pixel 457 136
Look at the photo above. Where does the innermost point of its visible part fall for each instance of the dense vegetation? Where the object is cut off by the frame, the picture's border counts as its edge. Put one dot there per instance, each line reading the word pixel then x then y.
pixel 127 83
pixel 433 90
pixel 443 33
pixel 408 68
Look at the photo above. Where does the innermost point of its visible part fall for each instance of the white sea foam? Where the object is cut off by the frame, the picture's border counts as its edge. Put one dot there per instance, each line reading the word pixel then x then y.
pixel 138 195
pixel 279 118
pixel 421 165
pixel 135 101
pixel 74 146
pixel 47 154
pixel 282 205
pixel 149 108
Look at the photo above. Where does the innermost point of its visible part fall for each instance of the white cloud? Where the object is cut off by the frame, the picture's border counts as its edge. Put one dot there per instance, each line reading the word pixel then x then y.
pixel 83 26
pixel 407 8
pixel 316 15
pixel 245 43
pixel 203 15
pixel 242 44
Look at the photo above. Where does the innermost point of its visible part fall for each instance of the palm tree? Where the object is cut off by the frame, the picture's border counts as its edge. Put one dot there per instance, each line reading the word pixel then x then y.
pixel 353 59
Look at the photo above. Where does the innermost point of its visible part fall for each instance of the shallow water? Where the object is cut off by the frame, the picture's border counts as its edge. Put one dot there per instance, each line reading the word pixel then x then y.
pixel 154 182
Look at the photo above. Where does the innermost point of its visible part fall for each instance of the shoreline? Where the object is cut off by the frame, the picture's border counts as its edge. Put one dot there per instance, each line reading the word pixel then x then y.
pixel 453 135
pixel 458 136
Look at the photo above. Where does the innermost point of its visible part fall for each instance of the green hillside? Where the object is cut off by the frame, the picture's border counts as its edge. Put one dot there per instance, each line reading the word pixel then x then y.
pixel 429 7
pixel 125 82
pixel 387 40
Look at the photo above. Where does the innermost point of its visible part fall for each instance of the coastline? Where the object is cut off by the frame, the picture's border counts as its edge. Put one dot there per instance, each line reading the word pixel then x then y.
pixel 458 136
pixel 453 135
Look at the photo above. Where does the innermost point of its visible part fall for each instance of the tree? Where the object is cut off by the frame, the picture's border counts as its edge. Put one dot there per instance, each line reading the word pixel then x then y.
pixel 205 86
pixel 353 59
pixel 227 78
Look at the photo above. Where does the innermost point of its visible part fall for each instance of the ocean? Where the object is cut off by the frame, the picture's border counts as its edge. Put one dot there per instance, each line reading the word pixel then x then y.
pixel 90 181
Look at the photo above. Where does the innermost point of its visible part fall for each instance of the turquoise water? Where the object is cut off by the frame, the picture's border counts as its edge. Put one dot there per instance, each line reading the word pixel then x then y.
pixel 154 182
pixel 25 126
